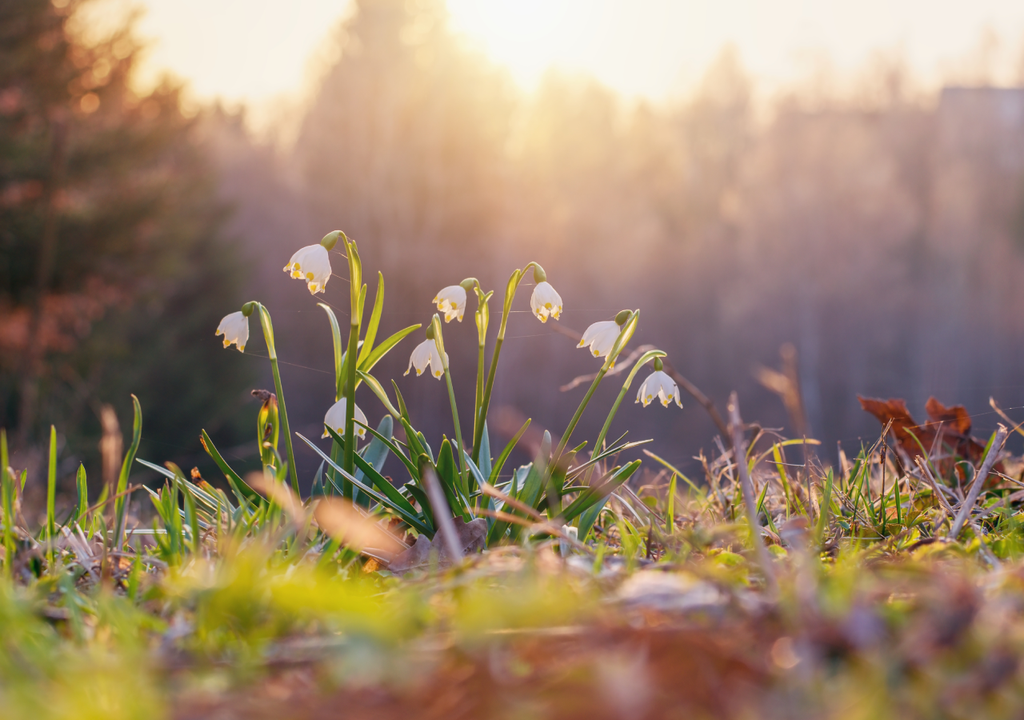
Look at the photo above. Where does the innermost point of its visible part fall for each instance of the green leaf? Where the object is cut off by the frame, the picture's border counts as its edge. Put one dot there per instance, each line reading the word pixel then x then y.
pixel 366 364
pixel 243 492
pixel 121 502
pixel 398 509
pixel 500 463
pixel 339 364
pixel 393 447
pixel 378 390
pixel 371 328
pixel 593 505
pixel 485 452
pixel 82 484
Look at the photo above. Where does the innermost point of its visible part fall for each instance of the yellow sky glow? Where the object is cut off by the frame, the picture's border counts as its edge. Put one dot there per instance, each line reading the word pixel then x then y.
pixel 258 51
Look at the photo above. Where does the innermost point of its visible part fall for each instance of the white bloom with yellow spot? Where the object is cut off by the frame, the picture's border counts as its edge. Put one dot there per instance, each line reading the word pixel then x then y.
pixel 658 385
pixel 335 420
pixel 311 264
pixel 452 302
pixel 235 329
pixel 545 302
pixel 601 336
pixel 426 354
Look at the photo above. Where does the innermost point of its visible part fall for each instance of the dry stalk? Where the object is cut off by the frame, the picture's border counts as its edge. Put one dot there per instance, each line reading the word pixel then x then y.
pixel 979 480
pixel 739 445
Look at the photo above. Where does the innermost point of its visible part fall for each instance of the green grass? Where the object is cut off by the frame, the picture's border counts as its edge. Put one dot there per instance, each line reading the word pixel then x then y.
pixel 225 599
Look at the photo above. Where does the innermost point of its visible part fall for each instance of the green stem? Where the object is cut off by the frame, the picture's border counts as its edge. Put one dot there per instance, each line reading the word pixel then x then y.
pixel 646 358
pixel 625 334
pixel 579 412
pixel 510 293
pixel 478 431
pixel 478 420
pixel 268 336
pixel 458 434
pixel 348 461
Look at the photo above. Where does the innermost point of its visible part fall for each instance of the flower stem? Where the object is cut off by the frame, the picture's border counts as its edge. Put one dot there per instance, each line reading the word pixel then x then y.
pixel 478 428
pixel 579 412
pixel 268 336
pixel 348 461
pixel 464 474
pixel 644 359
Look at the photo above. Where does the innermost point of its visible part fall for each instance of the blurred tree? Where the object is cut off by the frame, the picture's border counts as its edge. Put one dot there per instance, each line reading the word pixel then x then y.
pixel 113 270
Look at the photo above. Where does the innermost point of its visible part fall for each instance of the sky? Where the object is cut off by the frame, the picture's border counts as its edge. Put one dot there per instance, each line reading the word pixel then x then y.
pixel 258 52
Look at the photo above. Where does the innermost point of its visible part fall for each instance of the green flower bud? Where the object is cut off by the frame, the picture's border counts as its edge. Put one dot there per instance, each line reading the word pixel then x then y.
pixel 539 275
pixel 658 364
pixel 430 331
pixel 622 317
pixel 331 239
pixel 248 308
pixel 468 283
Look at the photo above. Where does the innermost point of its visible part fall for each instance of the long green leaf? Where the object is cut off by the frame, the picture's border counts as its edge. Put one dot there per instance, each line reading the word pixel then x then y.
pixel 589 516
pixel 371 327
pixel 243 492
pixel 500 462
pixel 409 518
pixel 369 472
pixel 393 446
pixel 51 486
pixel 366 364
pixel 121 502
pixel 339 375
pixel 378 390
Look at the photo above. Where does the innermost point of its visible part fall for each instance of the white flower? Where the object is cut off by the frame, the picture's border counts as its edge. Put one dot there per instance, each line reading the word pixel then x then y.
pixel 335 420
pixel 235 329
pixel 601 336
pixel 659 385
pixel 426 354
pixel 452 302
pixel 311 264
pixel 545 302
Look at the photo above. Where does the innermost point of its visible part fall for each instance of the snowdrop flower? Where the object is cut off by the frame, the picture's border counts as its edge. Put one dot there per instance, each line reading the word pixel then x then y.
pixel 235 329
pixel 659 385
pixel 452 302
pixel 311 264
pixel 601 336
pixel 545 302
pixel 335 420
pixel 426 354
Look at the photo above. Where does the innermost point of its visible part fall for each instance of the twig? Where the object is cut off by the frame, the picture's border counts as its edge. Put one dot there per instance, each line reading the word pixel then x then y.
pixel 979 479
pixel 685 384
pixel 740 456
pixel 442 514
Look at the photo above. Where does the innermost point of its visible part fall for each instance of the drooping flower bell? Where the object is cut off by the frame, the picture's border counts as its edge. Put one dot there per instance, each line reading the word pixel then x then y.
pixel 545 302
pixel 658 385
pixel 312 265
pixel 235 329
pixel 335 420
pixel 601 337
pixel 426 354
pixel 452 302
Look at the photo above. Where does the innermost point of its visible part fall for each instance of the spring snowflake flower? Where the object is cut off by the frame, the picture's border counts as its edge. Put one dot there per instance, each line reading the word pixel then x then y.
pixel 311 264
pixel 601 336
pixel 660 385
pixel 235 329
pixel 335 419
pixel 545 302
pixel 426 354
pixel 452 302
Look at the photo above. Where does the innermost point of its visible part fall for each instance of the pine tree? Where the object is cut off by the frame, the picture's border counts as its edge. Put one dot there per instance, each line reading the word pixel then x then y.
pixel 113 266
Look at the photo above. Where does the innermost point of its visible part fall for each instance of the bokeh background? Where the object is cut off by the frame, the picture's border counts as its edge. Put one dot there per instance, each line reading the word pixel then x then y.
pixel 844 178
